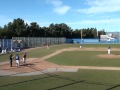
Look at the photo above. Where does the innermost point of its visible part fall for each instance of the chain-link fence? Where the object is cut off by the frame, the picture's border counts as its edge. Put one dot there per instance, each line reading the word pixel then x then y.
pixel 5 43
pixel 26 42
pixel 39 41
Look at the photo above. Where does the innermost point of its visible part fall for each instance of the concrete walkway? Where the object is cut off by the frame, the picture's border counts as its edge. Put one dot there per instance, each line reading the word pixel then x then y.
pixel 7 73
pixel 50 70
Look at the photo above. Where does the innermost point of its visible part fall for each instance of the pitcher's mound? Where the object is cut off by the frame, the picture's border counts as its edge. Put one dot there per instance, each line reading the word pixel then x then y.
pixel 109 56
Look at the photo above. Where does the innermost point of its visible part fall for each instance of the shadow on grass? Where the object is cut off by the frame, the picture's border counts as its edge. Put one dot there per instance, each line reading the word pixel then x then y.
pixel 85 82
pixel 113 87
pixel 25 81
pixel 65 85
pixel 50 75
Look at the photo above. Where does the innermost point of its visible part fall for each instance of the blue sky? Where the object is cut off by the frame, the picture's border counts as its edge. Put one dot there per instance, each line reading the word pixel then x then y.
pixel 78 14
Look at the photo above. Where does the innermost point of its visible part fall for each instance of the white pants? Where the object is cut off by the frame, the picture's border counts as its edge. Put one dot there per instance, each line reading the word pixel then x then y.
pixel 108 51
pixel 24 60
pixel 80 46
pixel 18 63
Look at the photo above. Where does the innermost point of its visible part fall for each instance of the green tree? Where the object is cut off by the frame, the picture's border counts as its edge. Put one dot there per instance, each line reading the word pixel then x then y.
pixel 60 30
pixel 34 29
pixel 18 26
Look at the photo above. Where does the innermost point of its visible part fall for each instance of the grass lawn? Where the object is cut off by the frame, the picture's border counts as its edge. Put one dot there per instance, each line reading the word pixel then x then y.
pixel 85 58
pixel 81 80
pixel 102 45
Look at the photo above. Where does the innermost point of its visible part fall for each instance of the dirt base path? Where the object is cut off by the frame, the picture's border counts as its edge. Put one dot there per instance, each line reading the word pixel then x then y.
pixel 37 64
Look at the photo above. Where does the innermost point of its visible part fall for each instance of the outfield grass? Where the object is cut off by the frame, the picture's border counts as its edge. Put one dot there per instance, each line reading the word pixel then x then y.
pixel 85 58
pixel 81 80
pixel 102 45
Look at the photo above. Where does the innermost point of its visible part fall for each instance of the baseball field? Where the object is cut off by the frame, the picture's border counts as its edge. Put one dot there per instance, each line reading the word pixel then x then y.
pixel 63 67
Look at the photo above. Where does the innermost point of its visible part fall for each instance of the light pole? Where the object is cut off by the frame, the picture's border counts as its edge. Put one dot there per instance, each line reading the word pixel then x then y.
pixel 81 35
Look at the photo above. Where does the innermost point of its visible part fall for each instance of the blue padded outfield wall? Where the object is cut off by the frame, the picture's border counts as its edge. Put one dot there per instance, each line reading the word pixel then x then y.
pixel 92 41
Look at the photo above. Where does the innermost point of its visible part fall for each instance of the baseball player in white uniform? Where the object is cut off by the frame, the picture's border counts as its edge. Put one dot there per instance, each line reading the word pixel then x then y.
pixel 109 50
